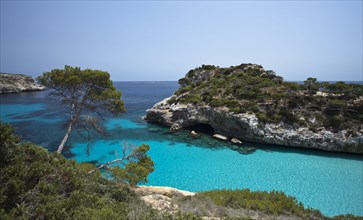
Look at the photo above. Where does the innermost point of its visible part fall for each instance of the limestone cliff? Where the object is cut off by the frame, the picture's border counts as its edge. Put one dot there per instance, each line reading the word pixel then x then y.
pixel 298 120
pixel 15 83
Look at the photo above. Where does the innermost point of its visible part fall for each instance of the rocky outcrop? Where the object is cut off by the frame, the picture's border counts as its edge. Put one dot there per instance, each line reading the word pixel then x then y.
pixel 175 202
pixel 247 127
pixel 15 83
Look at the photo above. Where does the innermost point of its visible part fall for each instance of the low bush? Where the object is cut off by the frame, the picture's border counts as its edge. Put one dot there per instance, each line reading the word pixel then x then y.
pixel 274 202
pixel 36 184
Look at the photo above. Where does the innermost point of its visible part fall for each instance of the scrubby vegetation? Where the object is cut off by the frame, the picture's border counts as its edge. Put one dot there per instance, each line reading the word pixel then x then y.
pixel 250 88
pixel 36 184
pixel 276 203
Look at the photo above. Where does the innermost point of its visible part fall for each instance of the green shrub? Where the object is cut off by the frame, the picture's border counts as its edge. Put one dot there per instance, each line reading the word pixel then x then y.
pixel 292 103
pixel 217 102
pixel 182 90
pixel 335 122
pixel 36 184
pixel 194 99
pixel 336 103
pixel 190 74
pixel 184 81
pixel 287 116
pixel 262 117
pixel 208 67
pixel 172 100
pixel 274 202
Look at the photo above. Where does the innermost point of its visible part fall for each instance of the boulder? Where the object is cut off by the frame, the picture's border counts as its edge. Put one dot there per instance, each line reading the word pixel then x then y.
pixel 236 141
pixel 220 137
pixel 194 134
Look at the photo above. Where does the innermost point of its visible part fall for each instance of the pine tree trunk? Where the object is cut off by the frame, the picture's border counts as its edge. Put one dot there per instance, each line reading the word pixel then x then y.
pixel 65 138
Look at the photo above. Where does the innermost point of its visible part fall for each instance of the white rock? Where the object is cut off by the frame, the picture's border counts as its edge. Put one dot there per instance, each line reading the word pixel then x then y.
pixel 220 137
pixel 236 141
pixel 193 133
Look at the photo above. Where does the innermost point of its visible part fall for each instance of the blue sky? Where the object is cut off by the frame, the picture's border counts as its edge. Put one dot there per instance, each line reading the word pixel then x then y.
pixel 161 40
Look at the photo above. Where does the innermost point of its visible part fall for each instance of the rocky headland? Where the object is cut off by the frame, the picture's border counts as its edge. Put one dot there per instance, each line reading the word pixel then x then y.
pixel 15 83
pixel 248 103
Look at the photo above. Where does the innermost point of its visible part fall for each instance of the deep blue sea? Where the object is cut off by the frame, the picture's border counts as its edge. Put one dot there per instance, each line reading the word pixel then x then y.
pixel 330 182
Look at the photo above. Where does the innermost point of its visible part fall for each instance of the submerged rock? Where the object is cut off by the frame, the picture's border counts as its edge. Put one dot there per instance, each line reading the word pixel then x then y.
pixel 153 129
pixel 15 83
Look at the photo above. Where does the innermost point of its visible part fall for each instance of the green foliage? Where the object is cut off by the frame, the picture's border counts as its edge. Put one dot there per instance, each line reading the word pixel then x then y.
pixel 287 116
pixel 335 122
pixel 274 202
pixel 195 99
pixel 217 102
pixel 337 88
pixel 182 90
pixel 87 167
pixel 336 103
pixel 190 74
pixel 249 88
pixel 88 89
pixel 208 67
pixel 36 184
pixel 292 103
pixel 172 100
pixel 85 93
pixel 184 81
pixel 7 141
pixel 311 85
pixel 136 171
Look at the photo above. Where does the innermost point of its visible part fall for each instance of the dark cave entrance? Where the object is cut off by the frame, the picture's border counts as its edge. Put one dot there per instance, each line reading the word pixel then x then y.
pixel 202 128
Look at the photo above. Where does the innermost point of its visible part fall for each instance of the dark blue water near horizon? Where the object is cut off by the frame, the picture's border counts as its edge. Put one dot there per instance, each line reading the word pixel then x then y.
pixel 330 182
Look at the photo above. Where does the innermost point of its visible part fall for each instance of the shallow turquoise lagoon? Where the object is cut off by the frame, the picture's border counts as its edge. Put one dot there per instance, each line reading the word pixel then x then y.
pixel 330 182
pixel 327 181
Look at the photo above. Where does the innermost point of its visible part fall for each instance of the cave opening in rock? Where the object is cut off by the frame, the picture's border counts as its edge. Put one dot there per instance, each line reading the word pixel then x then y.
pixel 202 128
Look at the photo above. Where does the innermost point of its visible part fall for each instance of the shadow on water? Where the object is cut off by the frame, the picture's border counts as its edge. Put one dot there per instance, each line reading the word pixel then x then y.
pixel 304 151
pixel 155 132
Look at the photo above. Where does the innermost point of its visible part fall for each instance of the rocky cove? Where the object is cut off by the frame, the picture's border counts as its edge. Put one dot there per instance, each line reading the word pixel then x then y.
pixel 189 107
pixel 15 83
pixel 246 127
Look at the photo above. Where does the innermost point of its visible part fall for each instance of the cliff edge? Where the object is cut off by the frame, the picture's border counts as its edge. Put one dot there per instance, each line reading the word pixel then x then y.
pixel 250 103
pixel 15 83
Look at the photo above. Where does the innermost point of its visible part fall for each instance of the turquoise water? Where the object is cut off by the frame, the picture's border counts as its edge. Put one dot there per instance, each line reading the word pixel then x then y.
pixel 330 182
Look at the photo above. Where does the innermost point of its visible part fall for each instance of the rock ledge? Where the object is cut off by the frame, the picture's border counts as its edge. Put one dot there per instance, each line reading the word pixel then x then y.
pixel 246 127
pixel 15 83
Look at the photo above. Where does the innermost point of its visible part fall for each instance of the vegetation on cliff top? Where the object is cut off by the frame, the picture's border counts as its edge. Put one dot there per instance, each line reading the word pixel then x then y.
pixel 250 88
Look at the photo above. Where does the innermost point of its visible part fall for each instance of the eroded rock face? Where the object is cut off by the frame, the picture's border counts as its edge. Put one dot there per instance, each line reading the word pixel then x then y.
pixel 15 83
pixel 246 127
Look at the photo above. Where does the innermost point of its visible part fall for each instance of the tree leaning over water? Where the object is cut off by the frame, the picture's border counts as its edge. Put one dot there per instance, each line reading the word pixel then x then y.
pixel 85 93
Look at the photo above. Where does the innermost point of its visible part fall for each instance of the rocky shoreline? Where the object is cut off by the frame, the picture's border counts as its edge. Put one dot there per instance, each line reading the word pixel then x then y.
pixel 247 127
pixel 16 83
